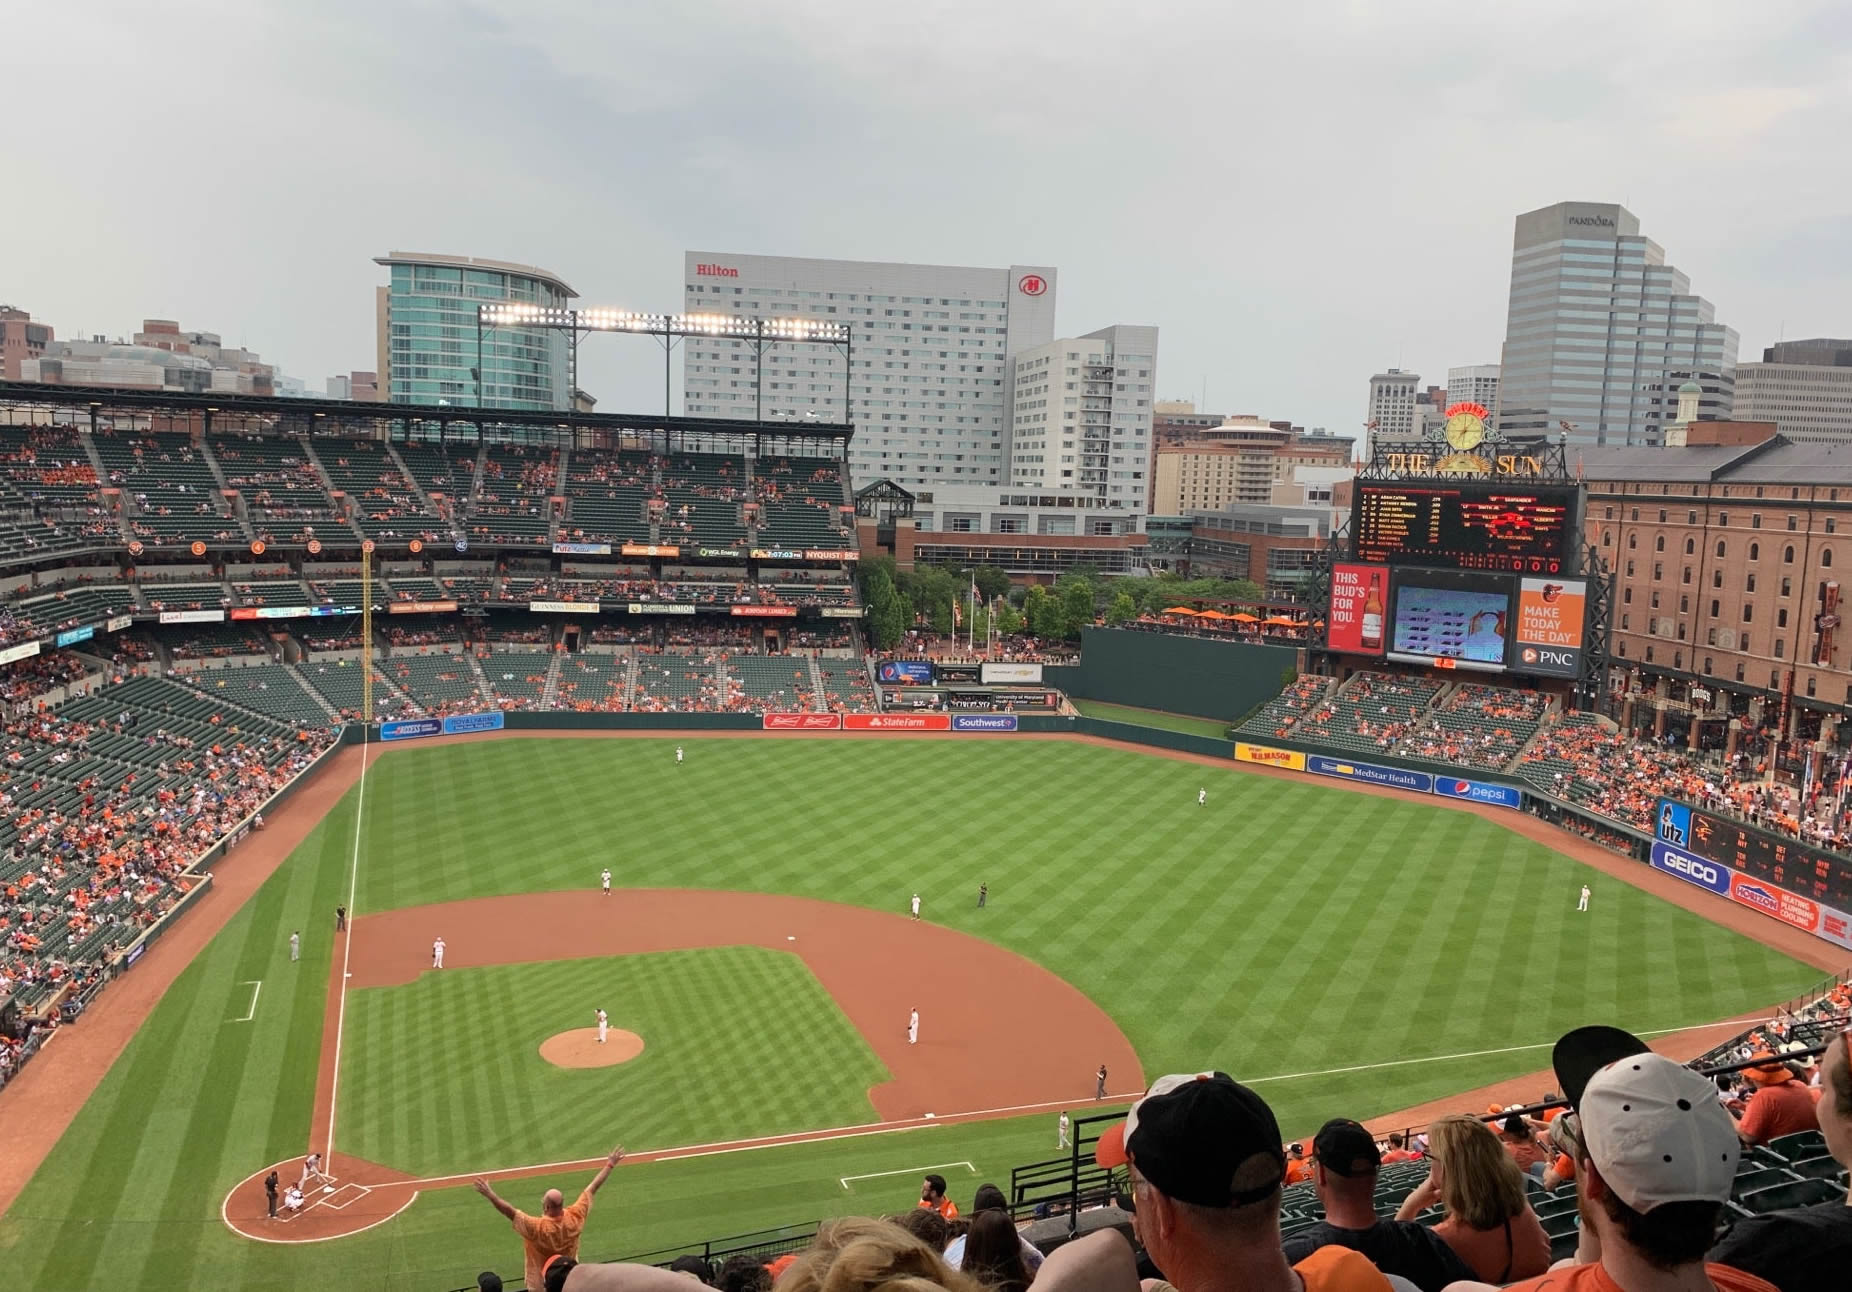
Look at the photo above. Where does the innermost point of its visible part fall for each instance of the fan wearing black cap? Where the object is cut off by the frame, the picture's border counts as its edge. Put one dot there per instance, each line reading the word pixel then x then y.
pixel 1204 1155
pixel 1345 1181
pixel 1655 1161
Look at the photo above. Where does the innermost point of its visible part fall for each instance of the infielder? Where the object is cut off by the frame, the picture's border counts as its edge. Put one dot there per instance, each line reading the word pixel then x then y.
pixel 605 881
pixel 1099 1083
pixel 916 906
pixel 1063 1139
pixel 1583 904
pixel 601 1027
pixel 437 954
pixel 913 1028
pixel 1202 798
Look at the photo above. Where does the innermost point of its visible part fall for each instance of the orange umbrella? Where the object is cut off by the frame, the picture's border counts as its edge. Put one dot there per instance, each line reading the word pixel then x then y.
pixel 1179 610
pixel 1243 617
pixel 1211 614
pixel 1281 620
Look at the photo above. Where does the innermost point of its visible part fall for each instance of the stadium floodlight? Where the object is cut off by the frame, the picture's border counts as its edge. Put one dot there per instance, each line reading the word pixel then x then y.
pixel 760 333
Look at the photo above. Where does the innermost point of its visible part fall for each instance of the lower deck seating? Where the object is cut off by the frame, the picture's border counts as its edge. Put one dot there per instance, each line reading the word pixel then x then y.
pixel 271 689
pixel 518 678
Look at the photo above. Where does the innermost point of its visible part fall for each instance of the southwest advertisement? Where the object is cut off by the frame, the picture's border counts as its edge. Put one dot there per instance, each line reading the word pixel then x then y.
pixel 1359 612
pixel 1550 619
pixel 983 722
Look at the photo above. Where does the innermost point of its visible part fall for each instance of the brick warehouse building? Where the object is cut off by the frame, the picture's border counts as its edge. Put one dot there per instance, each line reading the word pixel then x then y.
pixel 1729 555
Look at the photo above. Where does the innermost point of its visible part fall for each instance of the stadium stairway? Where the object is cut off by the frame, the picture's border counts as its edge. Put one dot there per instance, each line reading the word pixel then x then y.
pixel 334 714
pixel 549 694
pixel 418 489
pixel 554 514
pixel 102 477
pixel 819 697
pixel 483 688
pixel 630 680
pixel 350 512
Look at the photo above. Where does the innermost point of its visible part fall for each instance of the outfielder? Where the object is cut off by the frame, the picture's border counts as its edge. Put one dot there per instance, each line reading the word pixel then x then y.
pixel 1202 798
pixel 916 906
pixel 678 754
pixel 601 1026
pixel 913 1028
pixel 605 881
pixel 1582 905
pixel 437 954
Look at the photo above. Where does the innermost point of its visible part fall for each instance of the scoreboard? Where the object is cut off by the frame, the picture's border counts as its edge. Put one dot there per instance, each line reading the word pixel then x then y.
pixel 1495 527
pixel 1783 862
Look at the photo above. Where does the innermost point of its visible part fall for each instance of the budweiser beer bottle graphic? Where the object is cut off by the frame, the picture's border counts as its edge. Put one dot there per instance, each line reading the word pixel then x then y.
pixel 1372 635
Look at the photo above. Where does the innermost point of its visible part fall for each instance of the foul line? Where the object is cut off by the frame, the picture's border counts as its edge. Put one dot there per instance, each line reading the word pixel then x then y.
pixel 843 1180
pixel 347 945
pixel 256 985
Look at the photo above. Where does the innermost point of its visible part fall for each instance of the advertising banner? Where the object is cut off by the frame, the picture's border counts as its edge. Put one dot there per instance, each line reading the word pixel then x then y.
pixel 983 722
pixel 842 612
pixel 764 612
pixel 649 549
pixel 777 554
pixel 1550 618
pixel 118 623
pixel 896 722
pixel 582 549
pixel 563 607
pixel 801 721
pixel 913 697
pixel 1359 615
pixel 1394 777
pixel 1693 870
pixel 410 728
pixel 421 607
pixel 721 553
pixel 1778 903
pixel 1012 673
pixel 25 650
pixel 464 723
pixel 1291 759
pixel 192 616
pixel 651 608
pixel 1479 792
pixel 904 672
pixel 321 612
pixel 73 635
pixel 831 554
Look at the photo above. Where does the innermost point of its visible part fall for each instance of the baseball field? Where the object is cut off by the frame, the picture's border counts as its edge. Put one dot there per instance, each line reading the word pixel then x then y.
pixel 1350 953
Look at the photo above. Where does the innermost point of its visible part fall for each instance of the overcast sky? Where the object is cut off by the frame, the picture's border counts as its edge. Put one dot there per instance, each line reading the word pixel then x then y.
pixel 1297 195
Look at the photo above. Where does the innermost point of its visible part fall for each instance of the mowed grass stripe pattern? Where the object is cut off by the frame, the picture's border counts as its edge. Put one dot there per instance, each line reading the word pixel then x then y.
pixel 444 1076
pixel 1286 927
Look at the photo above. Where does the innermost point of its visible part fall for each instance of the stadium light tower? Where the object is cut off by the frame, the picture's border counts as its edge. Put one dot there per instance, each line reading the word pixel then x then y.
pixel 761 333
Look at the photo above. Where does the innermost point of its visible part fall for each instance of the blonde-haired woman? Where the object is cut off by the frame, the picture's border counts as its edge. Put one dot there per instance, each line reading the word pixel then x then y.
pixel 861 1255
pixel 1489 1222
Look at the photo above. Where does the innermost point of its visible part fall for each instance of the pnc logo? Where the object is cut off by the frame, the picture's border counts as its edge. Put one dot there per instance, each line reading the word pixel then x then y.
pixel 716 271
pixel 1032 285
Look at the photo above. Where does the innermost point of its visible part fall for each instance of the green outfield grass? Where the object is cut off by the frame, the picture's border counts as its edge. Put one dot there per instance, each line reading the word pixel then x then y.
pixel 1351 954
pixel 1154 718
pixel 698 1011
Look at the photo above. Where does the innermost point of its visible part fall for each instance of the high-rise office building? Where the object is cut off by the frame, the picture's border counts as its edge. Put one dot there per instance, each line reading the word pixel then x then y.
pixel 428 334
pixel 1804 387
pixel 933 347
pixel 1391 416
pixel 1596 327
pixel 1475 383
pixel 1081 415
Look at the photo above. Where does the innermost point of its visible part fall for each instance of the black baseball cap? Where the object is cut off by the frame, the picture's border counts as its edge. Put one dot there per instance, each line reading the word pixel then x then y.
pixel 1580 1054
pixel 1193 1135
pixel 1345 1148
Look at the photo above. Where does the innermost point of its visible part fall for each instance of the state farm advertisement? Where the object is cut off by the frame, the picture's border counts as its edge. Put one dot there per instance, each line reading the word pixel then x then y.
pixel 1550 619
pixel 896 722
pixel 1358 619
pixel 801 721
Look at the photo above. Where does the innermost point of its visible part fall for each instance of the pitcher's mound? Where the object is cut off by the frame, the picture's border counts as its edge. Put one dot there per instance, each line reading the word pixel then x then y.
pixel 579 1048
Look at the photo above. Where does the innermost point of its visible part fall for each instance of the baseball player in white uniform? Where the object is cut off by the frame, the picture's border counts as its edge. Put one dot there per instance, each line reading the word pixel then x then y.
pixel 1202 798
pixel 602 1024
pixel 311 1167
pixel 1582 905
pixel 916 906
pixel 605 881
pixel 1062 1139
pixel 913 1028
pixel 437 954
pixel 295 946
pixel 678 753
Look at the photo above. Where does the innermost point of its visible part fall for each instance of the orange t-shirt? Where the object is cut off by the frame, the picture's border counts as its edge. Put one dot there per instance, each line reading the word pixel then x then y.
pixel 1593 1278
pixel 546 1236
pixel 1397 1155
pixel 1491 1257
pixel 1297 1171
pixel 1777 1110
pixel 1339 1269
pixel 1525 1154
pixel 945 1208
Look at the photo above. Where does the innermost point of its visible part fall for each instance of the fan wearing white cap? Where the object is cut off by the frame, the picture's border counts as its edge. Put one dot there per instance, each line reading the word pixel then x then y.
pixel 1657 1158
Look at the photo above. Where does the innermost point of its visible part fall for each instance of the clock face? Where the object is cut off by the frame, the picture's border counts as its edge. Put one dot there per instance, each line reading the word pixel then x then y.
pixel 1465 430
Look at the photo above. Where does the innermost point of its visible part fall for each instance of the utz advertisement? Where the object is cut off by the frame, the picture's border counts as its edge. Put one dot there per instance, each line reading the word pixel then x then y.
pixel 897 722
pixel 801 721
pixel 983 722
pixel 1550 623
pixel 1358 620
pixel 904 672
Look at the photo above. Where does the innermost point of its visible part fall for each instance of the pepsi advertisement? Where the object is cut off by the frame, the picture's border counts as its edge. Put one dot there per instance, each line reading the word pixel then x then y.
pixel 904 672
pixel 1479 792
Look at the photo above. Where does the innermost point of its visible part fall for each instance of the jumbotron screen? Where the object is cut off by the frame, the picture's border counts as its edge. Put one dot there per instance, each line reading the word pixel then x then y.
pixel 1508 528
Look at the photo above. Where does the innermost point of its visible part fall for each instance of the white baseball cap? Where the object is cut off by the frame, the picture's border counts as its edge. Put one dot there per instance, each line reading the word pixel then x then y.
pixel 1657 1134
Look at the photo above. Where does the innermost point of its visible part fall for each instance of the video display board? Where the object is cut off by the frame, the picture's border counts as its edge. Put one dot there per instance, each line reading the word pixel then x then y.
pixel 1551 618
pixel 1451 619
pixel 1469 526
pixel 1357 619
pixel 1785 863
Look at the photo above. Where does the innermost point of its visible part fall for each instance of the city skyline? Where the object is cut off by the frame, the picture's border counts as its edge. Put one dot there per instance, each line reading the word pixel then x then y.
pixel 1277 287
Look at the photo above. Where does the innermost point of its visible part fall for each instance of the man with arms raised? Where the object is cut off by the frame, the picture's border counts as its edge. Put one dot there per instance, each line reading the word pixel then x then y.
pixel 555 1231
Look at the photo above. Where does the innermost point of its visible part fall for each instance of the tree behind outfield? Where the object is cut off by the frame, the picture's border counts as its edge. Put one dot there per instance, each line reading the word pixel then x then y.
pixel 1122 610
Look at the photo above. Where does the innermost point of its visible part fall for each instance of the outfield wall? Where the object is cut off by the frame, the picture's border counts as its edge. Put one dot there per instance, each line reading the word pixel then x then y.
pixel 1173 673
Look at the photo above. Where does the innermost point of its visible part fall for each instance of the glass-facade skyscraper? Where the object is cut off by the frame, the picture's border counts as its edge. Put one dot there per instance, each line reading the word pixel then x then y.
pixel 428 338
pixel 1601 332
